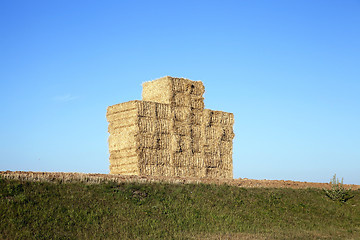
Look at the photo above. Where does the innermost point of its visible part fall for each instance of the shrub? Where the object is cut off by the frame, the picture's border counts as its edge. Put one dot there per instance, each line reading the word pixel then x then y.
pixel 338 192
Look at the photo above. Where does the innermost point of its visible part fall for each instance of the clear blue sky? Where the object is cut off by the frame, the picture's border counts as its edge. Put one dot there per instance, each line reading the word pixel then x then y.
pixel 288 70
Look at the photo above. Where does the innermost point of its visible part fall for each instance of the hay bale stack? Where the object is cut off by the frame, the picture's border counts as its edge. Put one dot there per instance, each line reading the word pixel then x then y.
pixel 169 133
pixel 139 137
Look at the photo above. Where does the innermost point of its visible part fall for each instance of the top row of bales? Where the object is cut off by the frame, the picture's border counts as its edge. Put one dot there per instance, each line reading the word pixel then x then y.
pixel 177 92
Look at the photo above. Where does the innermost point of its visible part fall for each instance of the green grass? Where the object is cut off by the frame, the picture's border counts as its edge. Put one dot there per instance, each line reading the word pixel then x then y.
pixel 43 210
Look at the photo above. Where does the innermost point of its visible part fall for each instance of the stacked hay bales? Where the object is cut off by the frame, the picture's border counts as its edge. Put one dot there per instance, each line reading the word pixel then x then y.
pixel 170 133
pixel 218 143
pixel 139 141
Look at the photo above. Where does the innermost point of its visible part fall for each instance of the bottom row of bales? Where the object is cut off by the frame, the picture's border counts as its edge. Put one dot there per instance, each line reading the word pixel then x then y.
pixel 163 163
pixel 162 170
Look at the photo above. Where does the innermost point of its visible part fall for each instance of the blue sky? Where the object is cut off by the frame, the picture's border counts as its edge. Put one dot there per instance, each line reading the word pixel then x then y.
pixel 288 70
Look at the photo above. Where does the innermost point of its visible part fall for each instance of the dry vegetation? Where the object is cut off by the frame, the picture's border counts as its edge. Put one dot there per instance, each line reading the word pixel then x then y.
pixel 103 178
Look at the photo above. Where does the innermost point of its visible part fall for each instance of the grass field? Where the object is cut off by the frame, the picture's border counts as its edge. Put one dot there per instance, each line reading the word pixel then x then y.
pixel 50 210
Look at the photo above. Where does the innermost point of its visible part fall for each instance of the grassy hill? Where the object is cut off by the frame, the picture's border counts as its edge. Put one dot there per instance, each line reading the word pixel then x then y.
pixel 53 210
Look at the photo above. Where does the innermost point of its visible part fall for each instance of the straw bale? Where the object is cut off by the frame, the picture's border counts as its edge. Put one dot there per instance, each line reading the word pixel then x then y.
pixel 154 157
pixel 164 141
pixel 172 91
pixel 197 145
pixel 181 99
pixel 180 143
pixel 182 114
pixel 154 141
pixel 196 117
pixel 120 116
pixel 197 132
pixel 168 170
pixel 208 117
pixel 213 173
pixel 187 171
pixel 181 159
pixel 126 126
pixel 146 109
pixel 181 128
pixel 163 111
pixel 200 172
pixel 211 145
pixel 227 134
pixel 188 86
pixel 212 159
pixel 197 88
pixel 197 102
pixel 154 170
pixel 147 125
pixel 228 173
pixel 147 141
pixel 165 126
pixel 179 172
pixel 214 132
pixel 121 107
pixel 211 117
pixel 147 170
pixel 226 161
pixel 181 84
pixel 129 152
pixel 138 109
pixel 155 126
pixel 131 169
pixel 197 160
pixel 227 119
pixel 226 147
pixel 124 160
pixel 119 142
pixel 159 90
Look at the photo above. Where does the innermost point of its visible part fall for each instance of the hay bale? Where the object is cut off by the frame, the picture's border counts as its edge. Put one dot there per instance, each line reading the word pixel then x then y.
pixel 131 108
pixel 214 132
pixel 180 143
pixel 154 157
pixel 154 141
pixel 217 118
pixel 174 91
pixel 124 160
pixel 181 100
pixel 154 125
pixel 181 159
pixel 196 145
pixel 159 90
pixel 121 107
pixel 226 147
pixel 182 114
pixel 196 117
pixel 123 153
pixel 197 132
pixel 197 160
pixel 197 102
pixel 127 124
pixel 181 128
pixel 119 142
pixel 130 169
pixel 163 111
